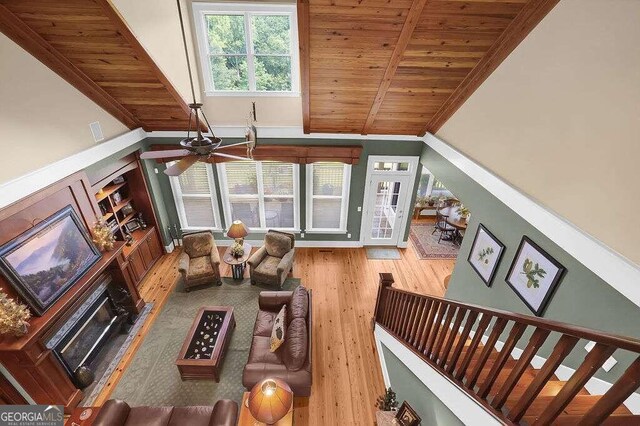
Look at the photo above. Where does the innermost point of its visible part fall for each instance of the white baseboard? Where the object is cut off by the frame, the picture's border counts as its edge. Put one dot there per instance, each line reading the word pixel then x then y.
pixel 169 249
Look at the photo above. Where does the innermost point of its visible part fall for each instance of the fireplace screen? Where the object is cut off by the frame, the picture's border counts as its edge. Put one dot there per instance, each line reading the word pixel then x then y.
pixel 85 341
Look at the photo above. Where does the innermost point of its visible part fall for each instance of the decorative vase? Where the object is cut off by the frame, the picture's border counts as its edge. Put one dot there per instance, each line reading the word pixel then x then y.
pixel 84 376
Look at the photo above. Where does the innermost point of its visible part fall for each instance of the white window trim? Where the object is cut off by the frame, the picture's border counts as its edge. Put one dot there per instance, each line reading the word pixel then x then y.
pixel 200 10
pixel 178 196
pixel 344 207
pixel 226 205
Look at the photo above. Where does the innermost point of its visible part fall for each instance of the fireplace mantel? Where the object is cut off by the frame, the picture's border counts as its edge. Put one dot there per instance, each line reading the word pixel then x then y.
pixel 27 358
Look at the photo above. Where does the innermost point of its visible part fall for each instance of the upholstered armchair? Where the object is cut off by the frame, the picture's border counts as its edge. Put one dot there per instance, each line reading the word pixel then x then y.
pixel 200 261
pixel 272 263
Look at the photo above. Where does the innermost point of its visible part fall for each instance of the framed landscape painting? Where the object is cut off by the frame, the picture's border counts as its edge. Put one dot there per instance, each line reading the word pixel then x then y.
pixel 45 261
pixel 534 275
pixel 485 254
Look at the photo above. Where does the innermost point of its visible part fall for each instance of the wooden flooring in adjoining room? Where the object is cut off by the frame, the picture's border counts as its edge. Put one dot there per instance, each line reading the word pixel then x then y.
pixel 346 373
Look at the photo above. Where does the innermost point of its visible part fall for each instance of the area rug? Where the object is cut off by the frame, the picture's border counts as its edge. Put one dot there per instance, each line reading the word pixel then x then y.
pixel 383 253
pixel 426 244
pixel 115 355
pixel 152 378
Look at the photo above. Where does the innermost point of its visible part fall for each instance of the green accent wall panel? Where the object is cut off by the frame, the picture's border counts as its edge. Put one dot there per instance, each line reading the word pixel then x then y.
pixel 581 298
pixel 409 388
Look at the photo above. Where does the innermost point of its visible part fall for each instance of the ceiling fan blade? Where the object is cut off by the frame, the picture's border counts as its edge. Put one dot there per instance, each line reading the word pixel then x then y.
pixel 178 168
pixel 164 154
pixel 234 144
pixel 235 157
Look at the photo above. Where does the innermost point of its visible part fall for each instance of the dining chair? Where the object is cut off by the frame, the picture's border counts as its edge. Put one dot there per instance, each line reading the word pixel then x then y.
pixel 442 226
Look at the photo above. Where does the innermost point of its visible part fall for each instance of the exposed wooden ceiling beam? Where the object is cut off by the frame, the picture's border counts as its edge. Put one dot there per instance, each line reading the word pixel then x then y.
pixel 303 42
pixel 413 17
pixel 533 12
pixel 33 43
pixel 115 17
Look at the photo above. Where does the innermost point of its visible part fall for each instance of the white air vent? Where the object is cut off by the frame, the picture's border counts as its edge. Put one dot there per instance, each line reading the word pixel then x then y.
pixel 96 131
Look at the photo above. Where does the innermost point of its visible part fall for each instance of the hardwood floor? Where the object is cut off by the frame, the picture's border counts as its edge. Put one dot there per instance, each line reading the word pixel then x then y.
pixel 346 374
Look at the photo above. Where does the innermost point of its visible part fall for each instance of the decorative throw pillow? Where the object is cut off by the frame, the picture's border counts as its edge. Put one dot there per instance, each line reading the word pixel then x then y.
pixel 278 330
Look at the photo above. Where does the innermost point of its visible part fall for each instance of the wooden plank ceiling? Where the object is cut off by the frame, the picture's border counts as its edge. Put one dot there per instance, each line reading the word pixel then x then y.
pixel 402 66
pixel 88 44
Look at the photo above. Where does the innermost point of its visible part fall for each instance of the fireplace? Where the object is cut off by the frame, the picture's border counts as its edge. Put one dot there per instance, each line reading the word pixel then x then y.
pixel 79 341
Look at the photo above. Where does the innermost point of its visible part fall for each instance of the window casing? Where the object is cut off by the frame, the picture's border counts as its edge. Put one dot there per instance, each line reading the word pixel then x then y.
pixel 262 194
pixel 327 197
pixel 248 51
pixel 194 192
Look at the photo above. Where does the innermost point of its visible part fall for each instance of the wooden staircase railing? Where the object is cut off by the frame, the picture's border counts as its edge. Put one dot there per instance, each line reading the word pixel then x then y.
pixel 447 335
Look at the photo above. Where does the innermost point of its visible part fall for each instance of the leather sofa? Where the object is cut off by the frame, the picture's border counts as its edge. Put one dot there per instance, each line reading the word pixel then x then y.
pixel 291 362
pixel 199 262
pixel 118 413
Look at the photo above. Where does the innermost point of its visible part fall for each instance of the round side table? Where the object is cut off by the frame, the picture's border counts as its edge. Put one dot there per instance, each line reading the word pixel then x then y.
pixel 237 263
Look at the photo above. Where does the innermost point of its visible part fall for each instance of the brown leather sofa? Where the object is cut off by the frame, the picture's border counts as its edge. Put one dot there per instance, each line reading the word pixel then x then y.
pixel 199 262
pixel 118 413
pixel 291 362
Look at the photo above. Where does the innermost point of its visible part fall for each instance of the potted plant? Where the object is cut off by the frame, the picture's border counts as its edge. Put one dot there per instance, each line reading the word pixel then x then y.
pixel 463 212
pixel 237 250
pixel 387 406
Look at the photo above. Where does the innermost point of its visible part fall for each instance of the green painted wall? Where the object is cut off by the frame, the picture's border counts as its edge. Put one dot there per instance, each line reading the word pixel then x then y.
pixel 409 388
pixel 356 195
pixel 581 298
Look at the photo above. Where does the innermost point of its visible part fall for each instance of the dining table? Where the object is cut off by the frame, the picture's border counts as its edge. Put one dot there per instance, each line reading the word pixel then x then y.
pixel 453 218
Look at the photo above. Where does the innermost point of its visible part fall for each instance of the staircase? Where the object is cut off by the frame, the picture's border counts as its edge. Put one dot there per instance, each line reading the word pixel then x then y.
pixel 459 340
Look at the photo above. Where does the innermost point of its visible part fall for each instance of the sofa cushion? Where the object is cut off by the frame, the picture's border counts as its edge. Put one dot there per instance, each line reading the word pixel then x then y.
pixel 295 345
pixel 197 245
pixel 199 267
pixel 277 244
pixel 299 306
pixel 279 329
pixel 149 416
pixel 195 416
pixel 264 323
pixel 260 352
pixel 268 266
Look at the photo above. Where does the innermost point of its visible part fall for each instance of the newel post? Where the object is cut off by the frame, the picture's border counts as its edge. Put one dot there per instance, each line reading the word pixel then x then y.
pixel 386 280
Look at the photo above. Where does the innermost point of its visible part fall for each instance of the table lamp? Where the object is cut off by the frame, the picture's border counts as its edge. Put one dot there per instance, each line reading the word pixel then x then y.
pixel 270 400
pixel 238 230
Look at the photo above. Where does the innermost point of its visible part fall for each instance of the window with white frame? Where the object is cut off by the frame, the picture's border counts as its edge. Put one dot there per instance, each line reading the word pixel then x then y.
pixel 195 196
pixel 262 194
pixel 327 196
pixel 248 47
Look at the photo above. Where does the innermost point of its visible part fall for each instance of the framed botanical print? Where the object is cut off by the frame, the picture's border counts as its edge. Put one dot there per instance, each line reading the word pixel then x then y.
pixel 407 416
pixel 534 275
pixel 485 254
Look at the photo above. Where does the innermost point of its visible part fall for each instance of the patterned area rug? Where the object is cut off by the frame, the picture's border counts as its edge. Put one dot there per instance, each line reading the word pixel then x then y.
pixel 152 378
pixel 426 244
pixel 383 253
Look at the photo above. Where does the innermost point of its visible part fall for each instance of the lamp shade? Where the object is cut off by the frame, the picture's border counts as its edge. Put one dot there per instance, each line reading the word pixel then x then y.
pixel 238 230
pixel 270 400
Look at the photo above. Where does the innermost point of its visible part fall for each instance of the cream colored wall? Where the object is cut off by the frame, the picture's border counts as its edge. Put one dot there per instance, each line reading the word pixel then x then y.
pixel 155 24
pixel 42 118
pixel 560 119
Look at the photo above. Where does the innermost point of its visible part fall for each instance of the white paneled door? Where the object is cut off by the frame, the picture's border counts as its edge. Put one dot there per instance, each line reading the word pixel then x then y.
pixel 390 182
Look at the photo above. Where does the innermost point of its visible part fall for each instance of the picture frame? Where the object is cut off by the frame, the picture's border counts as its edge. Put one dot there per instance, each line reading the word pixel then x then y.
pixel 127 210
pixel 485 254
pixel 407 416
pixel 534 275
pixel 132 225
pixel 44 262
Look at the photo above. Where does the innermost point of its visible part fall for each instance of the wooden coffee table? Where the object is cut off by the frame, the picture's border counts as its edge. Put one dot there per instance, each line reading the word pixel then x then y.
pixel 206 343
pixel 237 263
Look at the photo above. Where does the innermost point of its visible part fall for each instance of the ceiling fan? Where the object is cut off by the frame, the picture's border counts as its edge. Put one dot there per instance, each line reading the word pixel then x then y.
pixel 198 147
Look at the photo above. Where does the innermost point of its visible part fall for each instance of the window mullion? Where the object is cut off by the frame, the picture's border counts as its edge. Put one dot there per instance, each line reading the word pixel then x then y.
pixel 260 180
pixel 249 47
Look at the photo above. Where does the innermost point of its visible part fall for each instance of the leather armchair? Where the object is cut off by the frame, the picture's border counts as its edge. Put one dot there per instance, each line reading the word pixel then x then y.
pixel 118 413
pixel 200 261
pixel 272 263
